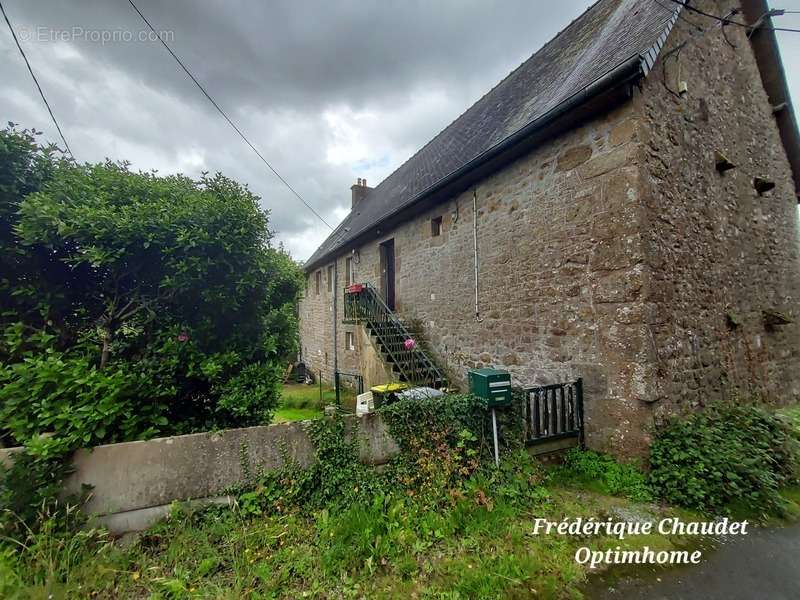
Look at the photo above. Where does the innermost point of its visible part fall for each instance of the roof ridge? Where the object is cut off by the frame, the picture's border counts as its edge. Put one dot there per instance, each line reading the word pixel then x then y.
pixel 605 37
pixel 493 88
pixel 549 42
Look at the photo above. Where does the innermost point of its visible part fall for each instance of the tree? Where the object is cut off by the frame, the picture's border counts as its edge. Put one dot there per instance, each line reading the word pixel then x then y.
pixel 24 167
pixel 172 278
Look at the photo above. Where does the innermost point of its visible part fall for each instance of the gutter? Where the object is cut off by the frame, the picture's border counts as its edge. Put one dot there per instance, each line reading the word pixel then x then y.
pixel 768 58
pixel 626 73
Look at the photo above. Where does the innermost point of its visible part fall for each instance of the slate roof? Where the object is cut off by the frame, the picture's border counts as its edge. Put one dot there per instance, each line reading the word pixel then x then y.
pixel 608 34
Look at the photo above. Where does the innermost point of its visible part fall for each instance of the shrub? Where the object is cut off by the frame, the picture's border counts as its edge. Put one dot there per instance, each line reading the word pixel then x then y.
pixel 723 455
pixel 444 457
pixel 249 398
pixel 53 402
pixel 166 285
pixel 132 304
pixel 605 474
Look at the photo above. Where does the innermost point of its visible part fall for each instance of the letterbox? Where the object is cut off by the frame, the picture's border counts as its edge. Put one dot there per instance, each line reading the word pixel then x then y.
pixel 491 385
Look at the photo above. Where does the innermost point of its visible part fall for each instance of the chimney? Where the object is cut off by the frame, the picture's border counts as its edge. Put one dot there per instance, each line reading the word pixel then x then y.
pixel 359 190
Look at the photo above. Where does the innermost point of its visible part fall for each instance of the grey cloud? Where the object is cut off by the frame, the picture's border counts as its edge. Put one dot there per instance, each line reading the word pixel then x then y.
pixel 402 70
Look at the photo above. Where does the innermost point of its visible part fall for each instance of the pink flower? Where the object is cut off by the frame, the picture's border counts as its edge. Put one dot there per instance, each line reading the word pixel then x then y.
pixel 183 337
pixel 410 344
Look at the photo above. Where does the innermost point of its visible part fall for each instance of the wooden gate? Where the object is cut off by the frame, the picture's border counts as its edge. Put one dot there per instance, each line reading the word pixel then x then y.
pixel 554 412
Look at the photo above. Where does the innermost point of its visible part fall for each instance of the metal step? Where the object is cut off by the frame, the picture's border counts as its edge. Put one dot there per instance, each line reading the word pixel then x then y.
pixel 389 334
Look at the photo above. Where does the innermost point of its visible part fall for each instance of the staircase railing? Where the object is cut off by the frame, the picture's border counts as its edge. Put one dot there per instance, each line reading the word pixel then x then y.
pixel 363 303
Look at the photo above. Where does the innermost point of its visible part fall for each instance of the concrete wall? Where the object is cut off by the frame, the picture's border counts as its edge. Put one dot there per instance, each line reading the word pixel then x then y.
pixel 135 482
pixel 614 252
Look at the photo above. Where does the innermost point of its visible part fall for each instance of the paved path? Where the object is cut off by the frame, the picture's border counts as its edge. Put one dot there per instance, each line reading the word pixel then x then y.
pixel 765 564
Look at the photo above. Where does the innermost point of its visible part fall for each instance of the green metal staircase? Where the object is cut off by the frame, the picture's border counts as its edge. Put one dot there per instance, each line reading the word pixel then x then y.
pixel 363 304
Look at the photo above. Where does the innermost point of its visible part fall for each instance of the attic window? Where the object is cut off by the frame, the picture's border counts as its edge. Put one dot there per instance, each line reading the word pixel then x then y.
pixel 436 226
pixel 317 281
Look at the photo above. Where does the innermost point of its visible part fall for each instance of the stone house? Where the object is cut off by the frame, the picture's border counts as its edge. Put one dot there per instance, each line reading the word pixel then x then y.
pixel 622 207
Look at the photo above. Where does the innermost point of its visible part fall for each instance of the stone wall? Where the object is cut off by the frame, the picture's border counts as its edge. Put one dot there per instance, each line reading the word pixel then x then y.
pixel 614 253
pixel 560 275
pixel 714 246
pixel 316 328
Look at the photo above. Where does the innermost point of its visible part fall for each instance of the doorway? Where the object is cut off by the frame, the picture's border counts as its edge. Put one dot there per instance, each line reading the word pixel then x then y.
pixel 387 272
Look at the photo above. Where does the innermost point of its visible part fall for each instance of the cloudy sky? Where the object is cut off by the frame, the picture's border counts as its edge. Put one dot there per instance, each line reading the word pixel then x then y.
pixel 328 91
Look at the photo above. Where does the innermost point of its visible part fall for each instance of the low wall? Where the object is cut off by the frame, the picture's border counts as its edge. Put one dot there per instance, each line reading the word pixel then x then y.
pixel 135 482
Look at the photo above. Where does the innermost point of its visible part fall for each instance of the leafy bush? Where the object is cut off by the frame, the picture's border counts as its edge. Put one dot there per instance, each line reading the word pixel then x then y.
pixel 602 472
pixel 164 292
pixel 726 454
pixel 413 420
pixel 132 304
pixel 249 397
pixel 54 402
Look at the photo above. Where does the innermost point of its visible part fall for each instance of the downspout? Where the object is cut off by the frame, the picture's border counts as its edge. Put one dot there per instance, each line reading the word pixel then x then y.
pixel 475 248
pixel 335 316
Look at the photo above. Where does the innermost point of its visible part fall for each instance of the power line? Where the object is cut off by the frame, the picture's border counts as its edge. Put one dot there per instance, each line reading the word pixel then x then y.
pixel 36 81
pixel 680 16
pixel 727 21
pixel 226 117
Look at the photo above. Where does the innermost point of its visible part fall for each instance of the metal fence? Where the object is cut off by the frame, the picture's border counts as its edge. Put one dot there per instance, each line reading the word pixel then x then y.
pixel 554 412
pixel 347 385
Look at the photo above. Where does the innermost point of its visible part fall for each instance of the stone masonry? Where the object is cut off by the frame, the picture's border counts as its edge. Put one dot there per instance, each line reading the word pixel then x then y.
pixel 615 252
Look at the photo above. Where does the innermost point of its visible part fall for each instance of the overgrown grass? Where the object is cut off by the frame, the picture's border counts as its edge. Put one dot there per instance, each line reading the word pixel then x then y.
pixel 299 395
pixel 299 401
pixel 438 522
pixel 603 474
pixel 479 544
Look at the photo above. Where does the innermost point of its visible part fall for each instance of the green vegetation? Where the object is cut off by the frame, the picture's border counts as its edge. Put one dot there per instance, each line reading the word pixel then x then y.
pixel 728 456
pixel 601 473
pixel 477 546
pixel 282 415
pixel 132 305
pixel 439 521
pixel 300 401
pixel 299 395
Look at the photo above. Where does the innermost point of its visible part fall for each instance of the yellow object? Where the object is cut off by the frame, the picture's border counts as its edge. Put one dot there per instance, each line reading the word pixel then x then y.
pixel 389 388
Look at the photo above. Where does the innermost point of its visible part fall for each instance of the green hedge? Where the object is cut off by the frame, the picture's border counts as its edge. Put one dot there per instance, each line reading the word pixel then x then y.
pixel 724 455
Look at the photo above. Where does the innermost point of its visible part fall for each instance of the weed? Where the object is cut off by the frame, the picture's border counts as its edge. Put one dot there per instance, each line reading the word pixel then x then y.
pixel 604 474
pixel 726 454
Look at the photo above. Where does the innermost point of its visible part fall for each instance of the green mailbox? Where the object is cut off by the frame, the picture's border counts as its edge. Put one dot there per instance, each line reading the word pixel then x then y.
pixel 491 385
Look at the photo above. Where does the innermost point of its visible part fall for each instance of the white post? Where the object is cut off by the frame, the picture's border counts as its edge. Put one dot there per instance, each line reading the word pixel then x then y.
pixel 494 429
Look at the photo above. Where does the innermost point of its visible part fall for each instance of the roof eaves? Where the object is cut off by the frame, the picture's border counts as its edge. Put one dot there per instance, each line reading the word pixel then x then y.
pixel 773 78
pixel 629 69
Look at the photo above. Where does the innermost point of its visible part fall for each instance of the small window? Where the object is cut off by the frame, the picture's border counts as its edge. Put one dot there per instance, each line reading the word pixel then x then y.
pixel 317 281
pixel 330 278
pixel 348 270
pixel 349 341
pixel 436 226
